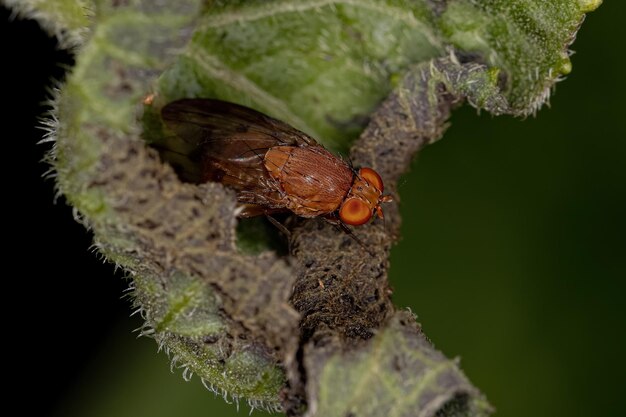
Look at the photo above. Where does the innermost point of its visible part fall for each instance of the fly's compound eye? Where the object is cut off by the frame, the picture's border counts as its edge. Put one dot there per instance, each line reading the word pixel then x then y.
pixel 372 177
pixel 355 212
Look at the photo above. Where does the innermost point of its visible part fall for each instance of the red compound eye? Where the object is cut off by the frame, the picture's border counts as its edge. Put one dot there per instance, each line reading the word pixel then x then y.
pixel 354 212
pixel 372 177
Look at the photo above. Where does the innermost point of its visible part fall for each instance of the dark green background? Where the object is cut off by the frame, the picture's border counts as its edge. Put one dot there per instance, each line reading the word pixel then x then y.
pixel 513 255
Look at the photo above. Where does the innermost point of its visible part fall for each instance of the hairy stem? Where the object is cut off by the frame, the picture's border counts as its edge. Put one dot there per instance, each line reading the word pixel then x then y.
pixel 342 291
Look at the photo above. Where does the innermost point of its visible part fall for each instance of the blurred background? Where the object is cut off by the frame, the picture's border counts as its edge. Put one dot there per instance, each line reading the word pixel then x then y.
pixel 513 253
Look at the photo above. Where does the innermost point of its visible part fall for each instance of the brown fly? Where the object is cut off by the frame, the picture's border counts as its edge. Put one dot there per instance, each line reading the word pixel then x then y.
pixel 273 167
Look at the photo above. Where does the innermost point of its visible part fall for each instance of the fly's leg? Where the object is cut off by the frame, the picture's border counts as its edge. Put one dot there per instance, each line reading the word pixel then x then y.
pixel 281 227
pixel 339 225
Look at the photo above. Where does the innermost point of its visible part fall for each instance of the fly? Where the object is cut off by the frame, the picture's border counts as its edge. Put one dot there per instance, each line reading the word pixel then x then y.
pixel 272 166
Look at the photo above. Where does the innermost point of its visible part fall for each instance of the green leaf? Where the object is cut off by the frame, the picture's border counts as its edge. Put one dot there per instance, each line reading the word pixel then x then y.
pixel 176 240
pixel 323 66
pixel 68 20
pixel 527 40
pixel 398 373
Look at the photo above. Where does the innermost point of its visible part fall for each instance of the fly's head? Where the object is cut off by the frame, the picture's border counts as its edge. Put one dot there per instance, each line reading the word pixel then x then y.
pixel 364 198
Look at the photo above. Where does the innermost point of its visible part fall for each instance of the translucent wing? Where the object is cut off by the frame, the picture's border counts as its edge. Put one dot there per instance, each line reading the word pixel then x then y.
pixel 200 120
pixel 228 142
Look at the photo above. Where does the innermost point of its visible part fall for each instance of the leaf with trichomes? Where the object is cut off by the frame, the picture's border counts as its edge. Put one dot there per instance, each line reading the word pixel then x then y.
pixel 323 66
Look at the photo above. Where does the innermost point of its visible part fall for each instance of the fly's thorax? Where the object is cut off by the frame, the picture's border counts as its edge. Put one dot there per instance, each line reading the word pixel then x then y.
pixel 314 182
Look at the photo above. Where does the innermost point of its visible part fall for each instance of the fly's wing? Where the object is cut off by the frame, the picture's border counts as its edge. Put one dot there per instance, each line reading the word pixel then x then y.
pixel 198 120
pixel 230 142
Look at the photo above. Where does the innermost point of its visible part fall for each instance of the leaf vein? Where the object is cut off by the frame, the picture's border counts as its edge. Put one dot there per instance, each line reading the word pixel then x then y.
pixel 220 71
pixel 257 12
